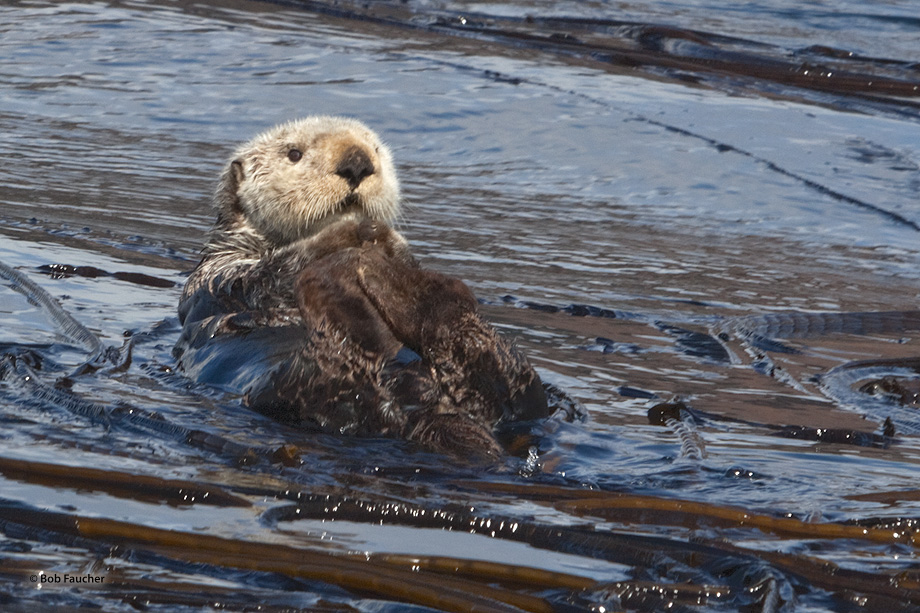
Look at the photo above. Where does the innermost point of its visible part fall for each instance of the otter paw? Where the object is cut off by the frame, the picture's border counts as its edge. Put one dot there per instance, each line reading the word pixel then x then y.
pixel 330 299
pixel 419 306
pixel 372 231
pixel 341 235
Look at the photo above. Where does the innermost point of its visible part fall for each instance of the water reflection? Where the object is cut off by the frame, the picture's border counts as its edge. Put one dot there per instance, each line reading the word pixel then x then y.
pixel 623 221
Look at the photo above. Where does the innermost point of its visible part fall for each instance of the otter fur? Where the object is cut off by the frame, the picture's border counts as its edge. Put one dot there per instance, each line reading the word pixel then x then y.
pixel 308 303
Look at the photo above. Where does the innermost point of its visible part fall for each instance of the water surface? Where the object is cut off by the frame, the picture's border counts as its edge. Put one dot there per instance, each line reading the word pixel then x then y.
pixel 647 196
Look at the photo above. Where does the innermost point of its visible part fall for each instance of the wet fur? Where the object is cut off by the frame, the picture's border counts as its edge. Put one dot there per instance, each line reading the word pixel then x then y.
pixel 310 304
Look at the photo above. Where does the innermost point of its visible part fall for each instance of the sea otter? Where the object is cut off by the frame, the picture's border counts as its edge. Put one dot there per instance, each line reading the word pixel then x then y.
pixel 309 304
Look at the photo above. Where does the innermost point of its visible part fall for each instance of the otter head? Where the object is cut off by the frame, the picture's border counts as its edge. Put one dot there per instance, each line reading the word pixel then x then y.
pixel 295 179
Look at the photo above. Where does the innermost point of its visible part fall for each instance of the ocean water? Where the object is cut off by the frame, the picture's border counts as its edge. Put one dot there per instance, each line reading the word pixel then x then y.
pixel 690 216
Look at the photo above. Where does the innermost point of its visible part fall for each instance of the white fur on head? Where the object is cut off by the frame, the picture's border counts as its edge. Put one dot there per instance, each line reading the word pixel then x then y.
pixel 285 196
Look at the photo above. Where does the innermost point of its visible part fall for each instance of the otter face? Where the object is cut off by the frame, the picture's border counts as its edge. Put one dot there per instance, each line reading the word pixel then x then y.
pixel 297 178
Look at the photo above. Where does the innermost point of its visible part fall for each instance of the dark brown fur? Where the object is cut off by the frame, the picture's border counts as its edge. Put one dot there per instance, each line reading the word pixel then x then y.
pixel 317 313
pixel 382 346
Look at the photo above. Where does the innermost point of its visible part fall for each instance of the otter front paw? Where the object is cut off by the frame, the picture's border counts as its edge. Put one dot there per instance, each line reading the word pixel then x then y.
pixel 330 299
pixel 370 231
pixel 341 235
pixel 420 307
pixel 357 234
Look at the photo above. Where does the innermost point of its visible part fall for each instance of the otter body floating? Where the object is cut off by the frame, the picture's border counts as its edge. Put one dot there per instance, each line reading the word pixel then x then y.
pixel 309 304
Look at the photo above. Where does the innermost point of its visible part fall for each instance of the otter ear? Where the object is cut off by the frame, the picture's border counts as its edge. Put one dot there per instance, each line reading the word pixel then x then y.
pixel 227 197
pixel 236 173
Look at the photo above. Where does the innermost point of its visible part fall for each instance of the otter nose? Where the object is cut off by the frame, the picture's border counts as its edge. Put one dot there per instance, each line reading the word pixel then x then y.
pixel 354 167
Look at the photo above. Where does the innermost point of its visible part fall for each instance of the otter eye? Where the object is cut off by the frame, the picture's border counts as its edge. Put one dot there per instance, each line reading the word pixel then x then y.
pixel 294 155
